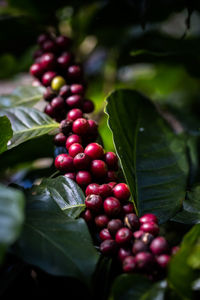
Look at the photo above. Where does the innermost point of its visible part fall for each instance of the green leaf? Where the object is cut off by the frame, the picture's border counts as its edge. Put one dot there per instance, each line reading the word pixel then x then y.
pixel 137 287
pixel 27 123
pixel 22 96
pixel 181 275
pixel 56 243
pixel 152 156
pixel 11 216
pixel 65 192
pixel 5 133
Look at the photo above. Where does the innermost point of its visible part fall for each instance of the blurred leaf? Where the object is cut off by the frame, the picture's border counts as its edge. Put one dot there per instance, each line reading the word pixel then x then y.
pixel 6 133
pixel 28 123
pixel 153 158
pixel 11 216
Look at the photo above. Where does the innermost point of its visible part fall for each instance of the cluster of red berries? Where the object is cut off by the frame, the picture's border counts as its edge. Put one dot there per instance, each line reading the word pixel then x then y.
pixel 133 241
pixel 55 68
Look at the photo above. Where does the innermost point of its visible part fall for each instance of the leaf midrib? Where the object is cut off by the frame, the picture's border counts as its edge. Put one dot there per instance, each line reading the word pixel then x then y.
pixel 53 125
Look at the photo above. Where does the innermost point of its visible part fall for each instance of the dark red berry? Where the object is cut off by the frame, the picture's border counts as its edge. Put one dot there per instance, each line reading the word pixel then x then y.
pixel 49 94
pixel 114 225
pixel 87 215
pixel 128 208
pixel 36 70
pixel 48 77
pixel 74 149
pixel 37 54
pixel 43 38
pixel 63 42
pixel 123 236
pixel 77 89
pixel 64 163
pixel 148 218
pixel 94 202
pixel 112 206
pixel 49 110
pixel 147 238
pixel 80 127
pixel 139 246
pixel 59 139
pixel 105 234
pixel 108 247
pixel 112 184
pixel 74 72
pixel 101 221
pixel 47 61
pixel 83 178
pixel 49 46
pixel 132 221
pixel 81 161
pixel 159 246
pixel 70 175
pixel 123 253
pixel 64 60
pixel 74 138
pixel 74 114
pixel 144 260
pixel 66 127
pixel 111 176
pixel 150 227
pixel 129 264
pixel 92 188
pixel 64 91
pixel 93 129
pixel 121 191
pixel 94 150
pixel 138 234
pixel 98 168
pixel 111 160
pixel 163 260
pixel 105 190
pixel 58 103
pixel 74 101
pixel 87 106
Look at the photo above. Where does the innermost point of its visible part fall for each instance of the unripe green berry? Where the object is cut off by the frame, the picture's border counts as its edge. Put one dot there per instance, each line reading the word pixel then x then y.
pixel 57 83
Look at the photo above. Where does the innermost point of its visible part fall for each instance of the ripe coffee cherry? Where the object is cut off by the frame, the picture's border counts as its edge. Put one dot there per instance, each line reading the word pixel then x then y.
pixel 105 234
pixel 138 234
pixel 64 163
pixel 80 127
pixel 87 106
pixel 105 190
pixel 81 161
pixel 64 91
pixel 128 208
pixel 49 110
pixel 123 253
pixel 98 168
pixel 94 150
pixel 121 191
pixel 93 130
pixel 66 127
pixel 112 206
pixel 148 218
pixel 159 246
pixel 74 149
pixel 114 225
pixel 74 138
pixel 49 94
pixel 37 54
pixel 36 70
pixel 74 72
pixel 108 247
pixel 47 61
pixel 139 246
pixel 43 38
pixel 111 160
pixel 132 221
pixel 92 188
pixel 64 60
pixel 59 139
pixel 101 221
pixel 71 175
pixel 112 184
pixel 129 264
pixel 74 101
pixel 163 260
pixel 49 46
pixel 94 202
pixel 77 89
pixel 48 77
pixel 63 42
pixel 111 176
pixel 58 103
pixel 87 215
pixel 83 178
pixel 150 227
pixel 57 83
pixel 74 114
pixel 147 238
pixel 144 260
pixel 123 236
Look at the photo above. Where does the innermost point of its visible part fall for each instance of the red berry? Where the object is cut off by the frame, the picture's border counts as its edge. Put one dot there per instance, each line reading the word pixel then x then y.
pixel 104 234
pixel 64 91
pixel 74 72
pixel 98 168
pixel 63 42
pixel 60 139
pixel 49 94
pixel 123 253
pixel 101 221
pixel 132 221
pixel 147 238
pixel 137 234
pixel 111 176
pixel 83 178
pixel 36 70
pixel 163 260
pixel 81 161
pixel 148 218
pixel 58 103
pixel 47 61
pixel 74 101
pixel 48 77
pixel 77 89
pixel 114 225
pixel 92 188
pixel 74 149
pixel 159 246
pixel 111 160
pixel 112 184
pixel 123 236
pixel 64 60
pixel 121 191
pixel 74 114
pixel 139 246
pixel 108 247
pixel 49 110
pixel 49 46
pixel 94 202
pixel 144 260
pixel 43 38
pixel 94 150
pixel 129 264
pixel 87 216
pixel 93 130
pixel 74 138
pixel 87 106
pixel 80 127
pixel 112 206
pixel 150 227
pixel 71 175
pixel 66 126
pixel 64 163
pixel 128 208
pixel 105 190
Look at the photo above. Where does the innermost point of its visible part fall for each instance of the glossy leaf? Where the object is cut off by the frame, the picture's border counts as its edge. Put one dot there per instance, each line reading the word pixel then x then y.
pixel 5 133
pixel 27 123
pixel 152 156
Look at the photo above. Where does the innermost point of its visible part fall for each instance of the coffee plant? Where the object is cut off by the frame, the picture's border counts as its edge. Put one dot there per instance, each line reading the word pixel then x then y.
pixel 100 199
